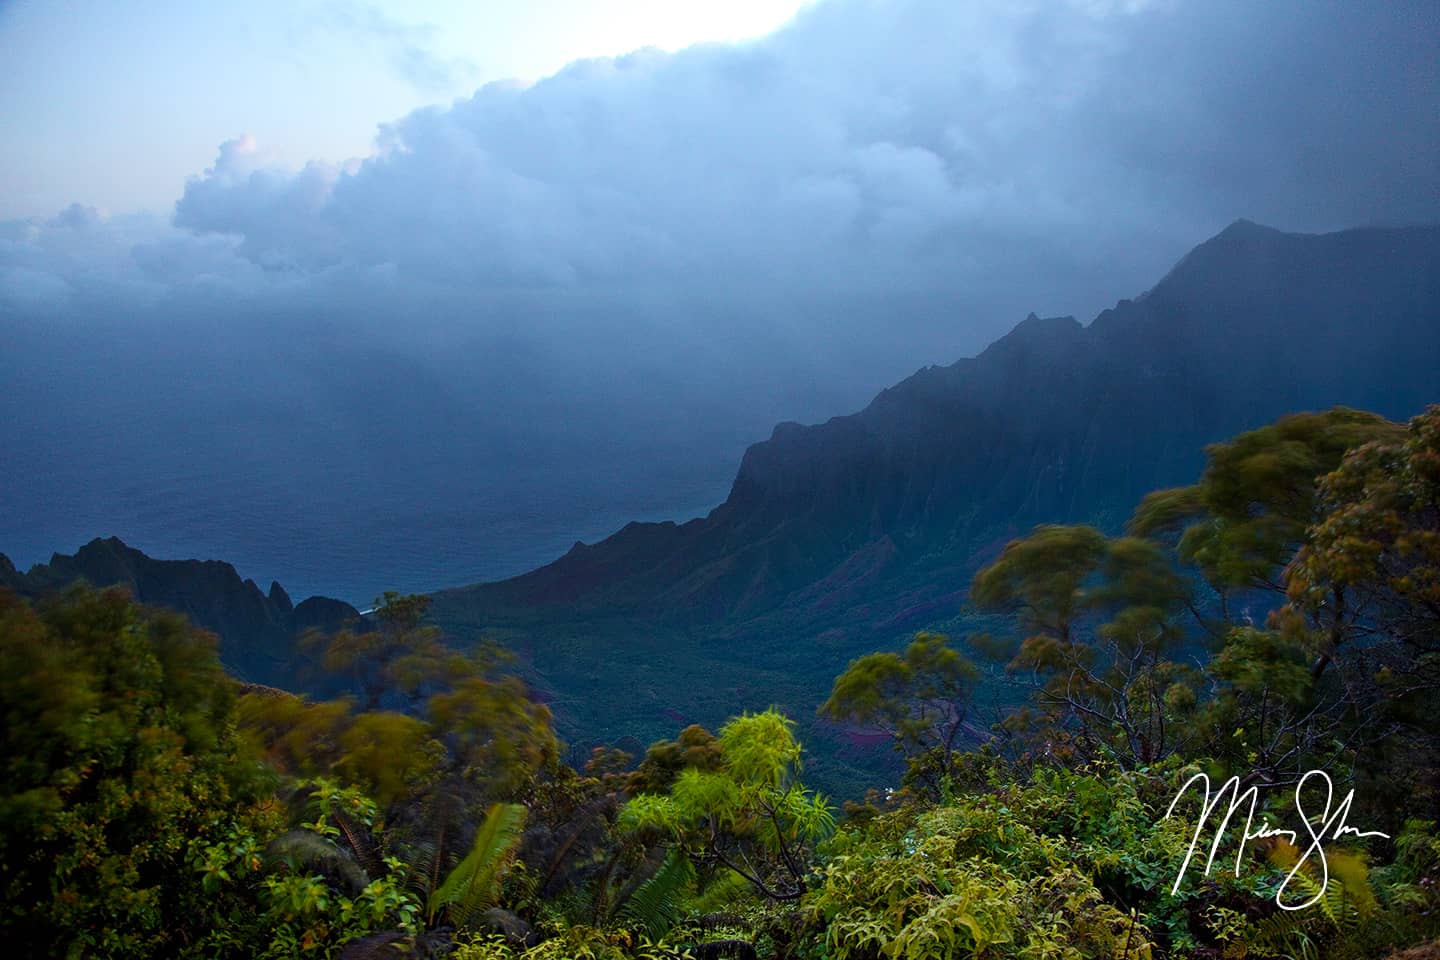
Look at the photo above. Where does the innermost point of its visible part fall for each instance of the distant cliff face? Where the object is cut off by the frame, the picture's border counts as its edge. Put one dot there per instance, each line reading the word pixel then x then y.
pixel 884 513
pixel 256 629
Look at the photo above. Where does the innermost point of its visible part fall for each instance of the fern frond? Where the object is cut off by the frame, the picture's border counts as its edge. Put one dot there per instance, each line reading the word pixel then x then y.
pixel 655 903
pixel 722 891
pixel 361 844
pixel 474 885
pixel 307 851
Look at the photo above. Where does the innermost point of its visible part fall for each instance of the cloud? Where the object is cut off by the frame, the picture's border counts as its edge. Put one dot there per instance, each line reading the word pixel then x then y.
pixel 278 215
pixel 879 144
pixel 640 263
pixel 408 48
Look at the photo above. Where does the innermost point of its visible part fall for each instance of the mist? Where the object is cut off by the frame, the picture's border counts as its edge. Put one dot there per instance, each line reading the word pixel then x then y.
pixel 545 310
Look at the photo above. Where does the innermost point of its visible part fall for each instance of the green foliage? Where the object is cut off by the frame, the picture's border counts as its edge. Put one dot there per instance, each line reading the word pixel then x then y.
pixel 749 817
pixel 1043 577
pixel 390 755
pixel 760 749
pixel 959 881
pixel 575 942
pixel 495 733
pixel 655 906
pixel 1374 554
pixel 128 804
pixel 920 697
pixel 474 885
pixel 695 748
pixel 149 811
pixel 1243 521
pixel 1100 614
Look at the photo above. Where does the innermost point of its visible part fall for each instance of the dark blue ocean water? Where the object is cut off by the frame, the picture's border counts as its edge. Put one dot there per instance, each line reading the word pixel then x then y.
pixel 321 532
pixel 335 468
pixel 339 524
pixel 346 447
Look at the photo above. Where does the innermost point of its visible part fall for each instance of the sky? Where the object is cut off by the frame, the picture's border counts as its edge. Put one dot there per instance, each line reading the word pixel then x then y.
pixel 510 275
pixel 113 104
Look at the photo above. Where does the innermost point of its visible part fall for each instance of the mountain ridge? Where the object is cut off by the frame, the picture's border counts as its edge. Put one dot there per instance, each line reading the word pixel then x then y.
pixel 257 629
pixel 1058 421
pixel 842 537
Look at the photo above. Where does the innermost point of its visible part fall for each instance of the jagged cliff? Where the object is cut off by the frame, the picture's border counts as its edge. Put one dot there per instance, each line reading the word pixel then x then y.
pixel 882 514
pixel 256 629
pixel 845 536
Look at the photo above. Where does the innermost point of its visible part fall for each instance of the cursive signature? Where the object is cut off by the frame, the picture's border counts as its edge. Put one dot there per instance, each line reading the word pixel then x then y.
pixel 1331 826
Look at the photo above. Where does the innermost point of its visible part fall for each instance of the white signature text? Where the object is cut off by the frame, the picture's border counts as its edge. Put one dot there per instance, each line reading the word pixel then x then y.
pixel 1331 825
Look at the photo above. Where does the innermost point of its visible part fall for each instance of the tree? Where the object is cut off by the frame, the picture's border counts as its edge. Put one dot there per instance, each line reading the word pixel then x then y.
pixel 497 737
pixel 1097 618
pixel 1364 602
pixel 1256 500
pixel 1244 526
pixel 751 817
pixel 397 658
pixel 921 698
pixel 131 816
pixel 1371 568
pixel 665 760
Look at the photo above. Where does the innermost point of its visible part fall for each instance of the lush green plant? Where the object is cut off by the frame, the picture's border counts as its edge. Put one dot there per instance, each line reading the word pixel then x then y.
pixel 959 881
pixel 921 698
pixel 750 816
pixel 130 812
pixel 474 885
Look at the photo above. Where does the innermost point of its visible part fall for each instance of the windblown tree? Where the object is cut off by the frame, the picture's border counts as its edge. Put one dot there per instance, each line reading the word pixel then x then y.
pixel 1254 505
pixel 399 658
pixel 920 697
pixel 127 796
pixel 1364 603
pixel 476 738
pixel 1098 626
pixel 1371 566
pixel 1252 529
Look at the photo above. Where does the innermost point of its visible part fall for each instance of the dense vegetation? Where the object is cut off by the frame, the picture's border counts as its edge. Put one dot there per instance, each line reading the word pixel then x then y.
pixel 1281 615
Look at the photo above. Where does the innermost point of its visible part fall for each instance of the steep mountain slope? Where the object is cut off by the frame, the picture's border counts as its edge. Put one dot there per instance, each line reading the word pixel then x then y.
pixel 1055 421
pixel 847 536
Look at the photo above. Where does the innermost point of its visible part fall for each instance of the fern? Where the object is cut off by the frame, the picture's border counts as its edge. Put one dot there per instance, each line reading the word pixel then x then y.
pixel 1346 900
pixel 654 905
pixel 361 844
pixel 474 885
pixel 308 852
pixel 722 891
pixel 725 950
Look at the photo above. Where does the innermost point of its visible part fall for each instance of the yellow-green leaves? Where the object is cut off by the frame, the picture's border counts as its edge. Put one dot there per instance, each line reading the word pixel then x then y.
pixel 474 885
pixel 920 697
pixel 760 748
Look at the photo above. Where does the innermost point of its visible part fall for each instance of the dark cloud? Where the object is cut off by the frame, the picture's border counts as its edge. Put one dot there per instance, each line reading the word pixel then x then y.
pixel 614 278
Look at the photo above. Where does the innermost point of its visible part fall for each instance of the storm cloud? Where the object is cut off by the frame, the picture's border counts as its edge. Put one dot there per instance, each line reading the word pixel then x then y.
pixel 552 307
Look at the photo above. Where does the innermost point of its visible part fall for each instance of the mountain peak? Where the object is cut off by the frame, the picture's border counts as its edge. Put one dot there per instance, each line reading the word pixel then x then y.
pixel 1246 228
pixel 1054 422
pixel 256 631
pixel 1036 334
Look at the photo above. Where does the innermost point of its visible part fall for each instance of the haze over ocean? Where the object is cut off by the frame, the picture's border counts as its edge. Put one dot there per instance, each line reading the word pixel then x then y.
pixel 528 312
